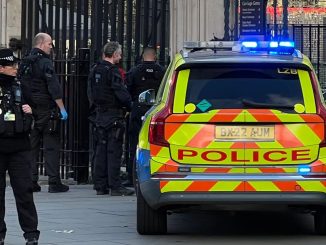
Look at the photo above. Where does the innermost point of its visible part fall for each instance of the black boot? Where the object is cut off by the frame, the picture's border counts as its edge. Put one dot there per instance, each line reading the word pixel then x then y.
pixel 58 187
pixel 128 183
pixel 121 191
pixel 36 187
pixel 32 241
pixel 102 192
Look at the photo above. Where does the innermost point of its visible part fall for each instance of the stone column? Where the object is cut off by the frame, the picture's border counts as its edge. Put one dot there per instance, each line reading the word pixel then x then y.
pixel 3 20
pixel 10 17
pixel 195 20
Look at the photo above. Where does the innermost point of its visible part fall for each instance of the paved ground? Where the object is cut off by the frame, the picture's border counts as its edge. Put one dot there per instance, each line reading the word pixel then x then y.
pixel 81 217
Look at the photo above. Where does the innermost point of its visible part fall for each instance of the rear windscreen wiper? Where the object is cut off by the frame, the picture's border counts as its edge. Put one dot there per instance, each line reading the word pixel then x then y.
pixel 266 105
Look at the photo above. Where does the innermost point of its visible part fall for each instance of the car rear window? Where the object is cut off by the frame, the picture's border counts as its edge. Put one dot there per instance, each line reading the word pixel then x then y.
pixel 228 88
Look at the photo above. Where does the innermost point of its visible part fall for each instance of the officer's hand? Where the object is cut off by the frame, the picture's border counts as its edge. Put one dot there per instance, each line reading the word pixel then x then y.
pixel 64 114
pixel 27 109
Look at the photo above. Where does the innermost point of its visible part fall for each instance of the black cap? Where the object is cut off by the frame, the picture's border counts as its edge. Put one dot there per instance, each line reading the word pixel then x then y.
pixel 7 57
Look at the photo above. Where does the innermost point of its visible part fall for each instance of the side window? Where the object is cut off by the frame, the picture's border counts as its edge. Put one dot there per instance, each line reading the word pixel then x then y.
pixel 162 85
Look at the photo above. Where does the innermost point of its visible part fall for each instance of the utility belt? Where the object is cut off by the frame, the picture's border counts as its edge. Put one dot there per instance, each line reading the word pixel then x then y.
pixel 43 109
pixel 139 110
pixel 116 128
pixel 113 111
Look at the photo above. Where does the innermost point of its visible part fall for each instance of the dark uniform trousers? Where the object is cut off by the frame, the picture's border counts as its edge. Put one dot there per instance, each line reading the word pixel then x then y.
pixel 19 169
pixel 108 153
pixel 51 145
pixel 135 125
pixel 94 142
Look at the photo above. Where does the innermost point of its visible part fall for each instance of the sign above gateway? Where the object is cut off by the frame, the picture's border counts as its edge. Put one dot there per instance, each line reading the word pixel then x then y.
pixel 252 17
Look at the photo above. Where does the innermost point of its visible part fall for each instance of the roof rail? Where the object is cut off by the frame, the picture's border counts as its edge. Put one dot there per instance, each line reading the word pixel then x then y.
pixel 208 45
pixel 193 46
pixel 270 47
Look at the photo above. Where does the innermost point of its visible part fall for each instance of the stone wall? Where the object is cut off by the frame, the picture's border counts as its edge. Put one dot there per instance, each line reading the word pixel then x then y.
pixel 195 20
pixel 10 18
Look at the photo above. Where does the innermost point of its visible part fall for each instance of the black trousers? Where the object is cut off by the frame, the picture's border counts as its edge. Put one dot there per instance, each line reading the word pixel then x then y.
pixel 44 128
pixel 19 168
pixel 135 125
pixel 107 159
pixel 94 142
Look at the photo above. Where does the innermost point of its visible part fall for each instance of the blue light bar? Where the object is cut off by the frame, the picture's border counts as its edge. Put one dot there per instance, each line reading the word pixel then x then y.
pixel 249 44
pixel 304 170
pixel 273 44
pixel 271 47
pixel 286 44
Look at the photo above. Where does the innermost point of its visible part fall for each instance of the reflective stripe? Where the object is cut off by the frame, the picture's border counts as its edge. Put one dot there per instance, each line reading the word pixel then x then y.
pixel 181 91
pixel 176 186
pixel 165 164
pixel 267 185
pixel 202 186
pixel 225 186
pixel 307 91
pixel 244 177
pixel 242 186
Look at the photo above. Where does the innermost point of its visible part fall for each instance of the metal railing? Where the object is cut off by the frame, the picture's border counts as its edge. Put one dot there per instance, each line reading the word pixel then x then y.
pixel 79 29
pixel 310 40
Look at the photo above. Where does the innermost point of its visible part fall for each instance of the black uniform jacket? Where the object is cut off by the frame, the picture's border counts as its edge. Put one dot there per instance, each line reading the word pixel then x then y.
pixel 17 142
pixel 46 73
pixel 144 76
pixel 108 118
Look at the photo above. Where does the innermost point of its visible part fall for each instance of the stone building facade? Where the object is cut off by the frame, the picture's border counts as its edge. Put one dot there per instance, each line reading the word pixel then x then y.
pixel 10 19
pixel 195 20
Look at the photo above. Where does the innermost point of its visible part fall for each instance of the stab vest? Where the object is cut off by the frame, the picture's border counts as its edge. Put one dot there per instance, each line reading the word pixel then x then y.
pixel 101 89
pixel 31 77
pixel 12 118
pixel 147 76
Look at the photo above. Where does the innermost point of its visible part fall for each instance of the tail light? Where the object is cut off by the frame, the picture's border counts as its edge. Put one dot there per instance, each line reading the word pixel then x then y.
pixel 156 128
pixel 321 110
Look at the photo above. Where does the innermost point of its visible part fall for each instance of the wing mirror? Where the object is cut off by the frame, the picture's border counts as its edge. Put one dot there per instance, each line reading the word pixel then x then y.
pixel 147 97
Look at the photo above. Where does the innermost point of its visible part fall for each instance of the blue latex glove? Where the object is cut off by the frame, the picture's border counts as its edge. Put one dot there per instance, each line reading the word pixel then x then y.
pixel 64 114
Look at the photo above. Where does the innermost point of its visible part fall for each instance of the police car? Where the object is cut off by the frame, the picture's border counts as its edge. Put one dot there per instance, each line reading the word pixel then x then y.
pixel 233 123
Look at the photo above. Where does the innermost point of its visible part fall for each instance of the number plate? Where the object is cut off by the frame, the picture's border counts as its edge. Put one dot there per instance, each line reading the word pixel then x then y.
pixel 245 133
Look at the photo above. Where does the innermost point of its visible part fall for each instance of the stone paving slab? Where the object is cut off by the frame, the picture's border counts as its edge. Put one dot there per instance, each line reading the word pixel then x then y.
pixel 76 217
pixel 81 217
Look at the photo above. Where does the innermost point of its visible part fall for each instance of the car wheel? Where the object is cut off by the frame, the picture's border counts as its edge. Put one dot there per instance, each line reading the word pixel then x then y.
pixel 149 221
pixel 320 221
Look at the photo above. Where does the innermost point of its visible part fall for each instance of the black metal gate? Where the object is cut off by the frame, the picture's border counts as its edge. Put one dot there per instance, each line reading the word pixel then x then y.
pixel 310 40
pixel 79 29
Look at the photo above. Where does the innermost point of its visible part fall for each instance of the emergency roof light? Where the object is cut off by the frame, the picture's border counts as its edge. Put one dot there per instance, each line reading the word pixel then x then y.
pixel 273 44
pixel 272 47
pixel 250 44
pixel 286 44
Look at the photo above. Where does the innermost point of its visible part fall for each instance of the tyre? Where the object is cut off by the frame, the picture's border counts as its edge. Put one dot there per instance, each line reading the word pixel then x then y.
pixel 149 221
pixel 320 221
pixel 135 176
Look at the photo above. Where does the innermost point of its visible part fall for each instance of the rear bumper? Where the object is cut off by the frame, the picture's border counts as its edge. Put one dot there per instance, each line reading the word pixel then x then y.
pixel 157 197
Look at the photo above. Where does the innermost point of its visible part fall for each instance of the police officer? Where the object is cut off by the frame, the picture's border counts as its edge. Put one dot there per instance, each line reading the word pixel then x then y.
pixel 108 94
pixel 47 99
pixel 15 124
pixel 146 75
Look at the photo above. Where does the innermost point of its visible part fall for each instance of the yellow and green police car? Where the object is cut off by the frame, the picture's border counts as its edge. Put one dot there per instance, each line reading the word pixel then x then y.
pixel 233 123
